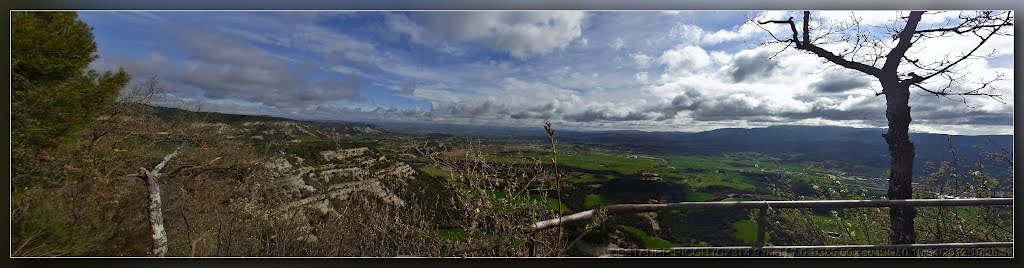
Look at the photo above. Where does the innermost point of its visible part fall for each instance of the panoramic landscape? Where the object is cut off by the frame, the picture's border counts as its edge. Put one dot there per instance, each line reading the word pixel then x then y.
pixel 512 133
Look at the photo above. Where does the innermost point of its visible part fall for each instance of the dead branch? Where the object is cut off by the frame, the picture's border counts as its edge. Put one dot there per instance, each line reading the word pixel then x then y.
pixel 156 220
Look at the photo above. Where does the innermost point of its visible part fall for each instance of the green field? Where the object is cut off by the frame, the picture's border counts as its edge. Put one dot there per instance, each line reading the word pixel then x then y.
pixel 746 231
pixel 709 177
pixel 697 171
pixel 699 197
pixel 726 179
pixel 649 241
pixel 434 171
pixel 615 163
pixel 580 177
pixel 596 200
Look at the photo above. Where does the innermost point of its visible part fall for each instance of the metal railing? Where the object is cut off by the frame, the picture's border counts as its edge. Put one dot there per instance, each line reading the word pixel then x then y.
pixel 759 248
pixel 921 250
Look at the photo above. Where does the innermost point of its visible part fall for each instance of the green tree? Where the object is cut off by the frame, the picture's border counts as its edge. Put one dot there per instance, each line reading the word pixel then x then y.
pixel 53 95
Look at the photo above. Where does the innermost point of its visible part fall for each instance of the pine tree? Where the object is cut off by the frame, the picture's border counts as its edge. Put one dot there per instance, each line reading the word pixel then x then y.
pixel 53 95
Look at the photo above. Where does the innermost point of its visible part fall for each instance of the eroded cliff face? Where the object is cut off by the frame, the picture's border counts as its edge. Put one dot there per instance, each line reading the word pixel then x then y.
pixel 340 170
pixel 317 181
pixel 348 171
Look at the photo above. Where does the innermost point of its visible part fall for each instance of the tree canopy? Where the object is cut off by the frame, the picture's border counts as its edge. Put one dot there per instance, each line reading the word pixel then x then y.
pixel 53 94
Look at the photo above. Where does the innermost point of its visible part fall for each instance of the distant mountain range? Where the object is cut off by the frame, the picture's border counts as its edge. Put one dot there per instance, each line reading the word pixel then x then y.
pixel 863 146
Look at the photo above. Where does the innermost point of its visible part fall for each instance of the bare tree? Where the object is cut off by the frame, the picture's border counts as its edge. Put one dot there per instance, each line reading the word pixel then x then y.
pixel 186 131
pixel 156 215
pixel 864 48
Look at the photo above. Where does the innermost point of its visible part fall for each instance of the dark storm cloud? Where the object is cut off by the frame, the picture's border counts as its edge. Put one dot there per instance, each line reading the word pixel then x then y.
pixel 220 80
pixel 383 110
pixel 327 89
pixel 545 112
pixel 518 33
pixel 729 109
pixel 746 67
pixel 592 115
pixel 225 68
pixel 830 113
pixel 960 117
pixel 699 107
pixel 478 108
pixel 542 112
pixel 413 112
pixel 988 119
pixel 836 82
pixel 703 108
pixel 688 101
pixel 928 109
pixel 218 47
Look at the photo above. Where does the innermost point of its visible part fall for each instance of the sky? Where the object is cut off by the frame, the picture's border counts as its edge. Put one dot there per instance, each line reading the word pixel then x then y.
pixel 639 70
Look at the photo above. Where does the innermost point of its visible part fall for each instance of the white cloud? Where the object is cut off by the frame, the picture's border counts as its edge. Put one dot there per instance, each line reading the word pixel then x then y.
pixel 745 31
pixel 345 69
pixel 642 77
pixel 403 25
pixel 687 58
pixel 672 75
pixel 720 57
pixel 618 43
pixel 519 33
pixel 687 34
pixel 437 95
pixel 641 59
pixel 882 17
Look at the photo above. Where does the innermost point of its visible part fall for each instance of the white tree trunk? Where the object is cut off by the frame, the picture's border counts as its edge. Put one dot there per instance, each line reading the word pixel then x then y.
pixel 156 215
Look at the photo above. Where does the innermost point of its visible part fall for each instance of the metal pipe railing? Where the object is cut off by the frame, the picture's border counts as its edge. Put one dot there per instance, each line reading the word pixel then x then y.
pixel 764 206
pixel 832 250
pixel 835 247
pixel 636 208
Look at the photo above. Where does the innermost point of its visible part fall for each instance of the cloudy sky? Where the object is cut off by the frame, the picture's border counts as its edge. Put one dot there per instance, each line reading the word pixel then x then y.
pixel 658 71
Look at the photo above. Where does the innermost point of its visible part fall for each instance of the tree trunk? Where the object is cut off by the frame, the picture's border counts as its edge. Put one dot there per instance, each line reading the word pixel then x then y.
pixel 156 215
pixel 901 168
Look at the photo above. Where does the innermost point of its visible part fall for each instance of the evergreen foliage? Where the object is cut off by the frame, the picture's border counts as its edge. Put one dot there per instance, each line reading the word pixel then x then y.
pixel 53 95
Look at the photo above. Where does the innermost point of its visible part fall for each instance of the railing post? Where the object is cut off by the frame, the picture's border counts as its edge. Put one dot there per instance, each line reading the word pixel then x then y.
pixel 762 226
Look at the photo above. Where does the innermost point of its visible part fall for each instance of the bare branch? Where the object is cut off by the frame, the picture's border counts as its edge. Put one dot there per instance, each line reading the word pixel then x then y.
pixel 792 26
pixel 892 60
pixel 969 25
pixel 167 158
pixel 808 46
pixel 979 91
pixel 984 39
pixel 864 68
